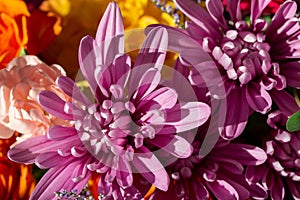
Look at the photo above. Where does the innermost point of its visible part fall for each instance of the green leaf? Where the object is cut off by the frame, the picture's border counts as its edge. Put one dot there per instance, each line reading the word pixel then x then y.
pixel 293 123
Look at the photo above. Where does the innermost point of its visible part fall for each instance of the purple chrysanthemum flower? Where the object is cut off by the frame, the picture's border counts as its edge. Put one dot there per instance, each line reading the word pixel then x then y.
pixel 282 167
pixel 256 60
pixel 219 175
pixel 132 114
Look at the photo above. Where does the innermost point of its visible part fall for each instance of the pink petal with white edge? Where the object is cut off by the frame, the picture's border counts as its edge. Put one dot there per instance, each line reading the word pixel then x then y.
pixel 53 104
pixel 216 10
pixel 116 73
pixel 277 191
pixel 153 51
pixel 162 98
pixel 56 179
pixel 235 122
pixel 245 154
pixel 187 116
pixel 87 60
pixel 258 98
pixel 69 87
pixel 124 173
pixel 234 10
pixel 109 36
pixel 257 8
pixel 222 190
pixel 111 24
pixel 151 168
pixel 58 132
pixel 148 82
pixel 200 16
pixel 286 11
pixel 173 144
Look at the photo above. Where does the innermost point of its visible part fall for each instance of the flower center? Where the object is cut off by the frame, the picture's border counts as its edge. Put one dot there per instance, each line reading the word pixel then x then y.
pixel 243 54
pixel 110 127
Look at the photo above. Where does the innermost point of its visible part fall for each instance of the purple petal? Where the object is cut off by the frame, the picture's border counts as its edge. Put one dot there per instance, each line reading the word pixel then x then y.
pixel 124 173
pixel 56 179
pixel 294 188
pixel 58 132
pixel 235 122
pixel 286 11
pixel 70 88
pixel 51 160
pixel 277 191
pixel 111 24
pixel 199 16
pixel 153 51
pixel 291 70
pixel 162 98
pixel 258 98
pixel 257 8
pixel 151 168
pixel 188 116
pixel 234 10
pixel 255 173
pixel 285 102
pixel 53 104
pixel 216 10
pixel 173 144
pixel 87 60
pixel 148 82
pixel 116 73
pixel 22 152
pixel 245 154
pixel 222 190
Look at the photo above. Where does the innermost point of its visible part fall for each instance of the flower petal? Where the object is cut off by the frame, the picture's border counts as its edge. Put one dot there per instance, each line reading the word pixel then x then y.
pixel 53 104
pixel 199 16
pixel 173 144
pixel 188 116
pixel 257 8
pixel 151 168
pixel 153 51
pixel 70 88
pixel 258 98
pixel 234 10
pixel 58 178
pixel 235 122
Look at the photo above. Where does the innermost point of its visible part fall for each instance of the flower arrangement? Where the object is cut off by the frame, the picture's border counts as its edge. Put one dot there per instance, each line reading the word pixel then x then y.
pixel 174 99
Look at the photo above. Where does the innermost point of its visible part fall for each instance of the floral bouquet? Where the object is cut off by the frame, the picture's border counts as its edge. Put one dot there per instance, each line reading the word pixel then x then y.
pixel 174 100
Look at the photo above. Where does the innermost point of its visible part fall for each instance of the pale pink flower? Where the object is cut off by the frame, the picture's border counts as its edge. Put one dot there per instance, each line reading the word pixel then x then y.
pixel 20 82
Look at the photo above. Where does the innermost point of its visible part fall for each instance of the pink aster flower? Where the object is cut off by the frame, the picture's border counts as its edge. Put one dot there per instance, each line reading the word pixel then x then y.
pixel 218 175
pixel 257 60
pixel 132 115
pixel 20 83
pixel 283 163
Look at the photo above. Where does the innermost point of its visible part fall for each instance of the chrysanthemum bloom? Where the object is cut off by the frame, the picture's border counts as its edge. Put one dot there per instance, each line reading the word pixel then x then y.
pixel 16 180
pixel 281 171
pixel 257 60
pixel 219 175
pixel 20 83
pixel 114 134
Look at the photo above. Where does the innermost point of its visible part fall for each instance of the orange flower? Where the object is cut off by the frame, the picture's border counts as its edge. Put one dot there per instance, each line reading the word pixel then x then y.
pixel 19 28
pixel 16 181
pixel 13 30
